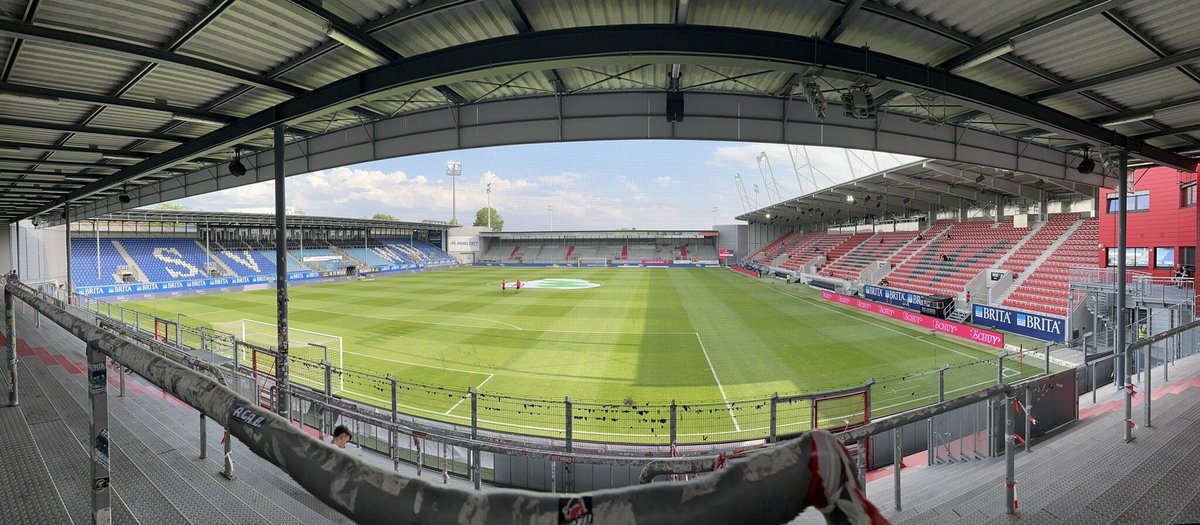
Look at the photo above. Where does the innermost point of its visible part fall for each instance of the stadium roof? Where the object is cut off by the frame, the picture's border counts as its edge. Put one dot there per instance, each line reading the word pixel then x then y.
pixel 914 189
pixel 257 220
pixel 152 98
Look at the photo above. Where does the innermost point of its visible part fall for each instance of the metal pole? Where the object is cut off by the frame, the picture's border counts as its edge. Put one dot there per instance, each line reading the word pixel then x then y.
pixel 1000 370
pixel 674 422
pixel 1028 425
pixel 203 436
pixel 1010 478
pixel 1048 359
pixel 10 333
pixel 121 375
pixel 67 220
pixel 862 465
pixel 392 433
pixel 98 394
pixel 774 416
pixel 325 423
pixel 281 294
pixel 1149 354
pixel 1122 233
pixel 897 456
pixel 475 471
pixel 228 459
pixel 96 230
pixel 1093 381
pixel 237 355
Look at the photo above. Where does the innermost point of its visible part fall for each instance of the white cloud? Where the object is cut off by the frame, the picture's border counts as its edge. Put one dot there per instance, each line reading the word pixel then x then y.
pixel 564 179
pixel 666 181
pixel 501 184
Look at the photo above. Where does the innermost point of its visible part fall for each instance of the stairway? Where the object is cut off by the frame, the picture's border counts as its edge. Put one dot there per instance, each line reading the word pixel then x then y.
pixel 225 269
pixel 156 476
pixel 959 316
pixel 137 271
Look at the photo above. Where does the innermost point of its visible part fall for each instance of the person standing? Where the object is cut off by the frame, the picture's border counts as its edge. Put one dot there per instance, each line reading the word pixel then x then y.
pixel 341 436
pixel 518 286
pixel 503 286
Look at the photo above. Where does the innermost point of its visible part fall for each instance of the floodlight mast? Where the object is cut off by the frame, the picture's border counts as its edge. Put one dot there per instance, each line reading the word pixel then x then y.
pixel 453 170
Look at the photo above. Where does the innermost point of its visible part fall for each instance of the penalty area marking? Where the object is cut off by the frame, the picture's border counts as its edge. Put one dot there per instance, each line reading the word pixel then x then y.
pixel 728 406
pixel 464 398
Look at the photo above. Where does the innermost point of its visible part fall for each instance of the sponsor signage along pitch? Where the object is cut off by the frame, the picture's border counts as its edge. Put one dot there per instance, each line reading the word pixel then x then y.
pixel 900 298
pixel 1044 327
pixel 979 335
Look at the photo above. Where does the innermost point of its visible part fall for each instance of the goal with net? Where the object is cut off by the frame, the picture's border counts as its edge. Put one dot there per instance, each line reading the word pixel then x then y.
pixel 309 349
pixel 593 261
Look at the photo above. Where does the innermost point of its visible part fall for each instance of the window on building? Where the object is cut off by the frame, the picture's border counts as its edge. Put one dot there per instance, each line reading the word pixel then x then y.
pixel 1137 201
pixel 1187 257
pixel 1187 195
pixel 1134 257
pixel 1164 257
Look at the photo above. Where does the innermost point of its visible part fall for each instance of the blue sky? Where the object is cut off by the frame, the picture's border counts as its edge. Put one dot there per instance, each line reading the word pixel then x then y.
pixel 645 184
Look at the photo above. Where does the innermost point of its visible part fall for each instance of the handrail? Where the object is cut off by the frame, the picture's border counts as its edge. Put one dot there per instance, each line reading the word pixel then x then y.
pixel 689 465
pixel 775 479
pixel 1164 335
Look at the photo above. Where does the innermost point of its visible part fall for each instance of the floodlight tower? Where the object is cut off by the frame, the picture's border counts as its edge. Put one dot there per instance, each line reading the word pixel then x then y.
pixel 453 170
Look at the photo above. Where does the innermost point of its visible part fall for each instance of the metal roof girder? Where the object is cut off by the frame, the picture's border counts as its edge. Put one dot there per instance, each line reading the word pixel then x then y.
pixel 942 187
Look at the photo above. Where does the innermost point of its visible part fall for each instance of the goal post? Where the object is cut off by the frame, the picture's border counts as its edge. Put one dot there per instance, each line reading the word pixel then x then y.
pixel 307 346
pixel 594 262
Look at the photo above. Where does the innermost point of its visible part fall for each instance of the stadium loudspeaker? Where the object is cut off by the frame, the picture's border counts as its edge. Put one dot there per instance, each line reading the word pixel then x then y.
pixel 124 198
pixel 674 106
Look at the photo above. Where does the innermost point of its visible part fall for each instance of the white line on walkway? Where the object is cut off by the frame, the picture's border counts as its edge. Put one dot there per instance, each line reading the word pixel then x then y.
pixel 477 387
pixel 736 426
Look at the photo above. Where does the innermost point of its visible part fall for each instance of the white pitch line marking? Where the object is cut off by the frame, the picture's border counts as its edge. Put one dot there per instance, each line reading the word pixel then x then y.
pixel 885 327
pixel 477 387
pixel 736 426
pixel 438 367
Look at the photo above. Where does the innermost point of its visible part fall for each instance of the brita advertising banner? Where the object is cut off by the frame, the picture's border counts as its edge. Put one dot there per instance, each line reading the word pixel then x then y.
pixel 1044 327
pixel 903 299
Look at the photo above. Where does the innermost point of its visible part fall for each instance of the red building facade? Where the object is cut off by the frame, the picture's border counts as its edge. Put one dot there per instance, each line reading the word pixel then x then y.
pixel 1161 224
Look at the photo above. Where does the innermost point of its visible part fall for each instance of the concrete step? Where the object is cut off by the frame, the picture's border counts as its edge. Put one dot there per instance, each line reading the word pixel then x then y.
pixel 171 431
pixel 68 461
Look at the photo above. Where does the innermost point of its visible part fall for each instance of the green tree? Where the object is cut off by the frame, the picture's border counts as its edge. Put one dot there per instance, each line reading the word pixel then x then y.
pixel 382 217
pixel 481 218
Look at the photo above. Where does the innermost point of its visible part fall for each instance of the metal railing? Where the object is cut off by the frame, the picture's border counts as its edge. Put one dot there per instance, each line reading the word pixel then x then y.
pixel 366 494
pixel 701 424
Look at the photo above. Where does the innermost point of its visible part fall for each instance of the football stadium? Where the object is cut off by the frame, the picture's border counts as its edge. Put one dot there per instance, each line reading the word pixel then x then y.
pixel 582 261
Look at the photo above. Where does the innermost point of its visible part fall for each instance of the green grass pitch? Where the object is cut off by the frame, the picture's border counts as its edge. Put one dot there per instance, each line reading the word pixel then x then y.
pixel 716 342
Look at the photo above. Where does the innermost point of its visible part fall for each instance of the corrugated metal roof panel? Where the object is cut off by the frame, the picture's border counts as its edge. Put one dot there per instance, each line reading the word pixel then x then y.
pixel 635 77
pixel 251 102
pixel 1150 89
pixel 1180 116
pixel 899 39
pixel 133 119
pixel 83 70
pixel 257 36
pixel 152 24
pixel 1083 50
pixel 64 112
pixel 982 20
pixel 1171 23
pixel 181 86
pixel 783 16
pixel 21 134
pixel 1007 76
pixel 707 78
pixel 558 14
pixel 106 141
pixel 1076 104
pixel 337 64
pixel 396 102
pixel 520 85
pixel 358 12
pixel 447 28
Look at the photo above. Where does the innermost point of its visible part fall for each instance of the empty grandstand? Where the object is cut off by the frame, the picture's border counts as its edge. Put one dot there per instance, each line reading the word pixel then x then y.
pixel 624 247
pixel 205 249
